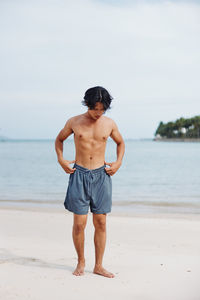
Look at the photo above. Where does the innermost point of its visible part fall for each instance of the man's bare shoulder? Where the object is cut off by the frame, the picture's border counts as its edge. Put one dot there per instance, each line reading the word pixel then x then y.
pixel 110 121
pixel 74 119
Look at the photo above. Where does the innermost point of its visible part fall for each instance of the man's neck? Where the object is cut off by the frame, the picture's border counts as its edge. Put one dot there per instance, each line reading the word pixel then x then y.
pixel 89 118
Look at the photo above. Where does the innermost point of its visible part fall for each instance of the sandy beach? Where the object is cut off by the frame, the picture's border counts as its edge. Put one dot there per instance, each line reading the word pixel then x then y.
pixel 153 257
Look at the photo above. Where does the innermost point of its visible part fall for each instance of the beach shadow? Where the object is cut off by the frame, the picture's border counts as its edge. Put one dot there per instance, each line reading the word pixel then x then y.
pixel 6 257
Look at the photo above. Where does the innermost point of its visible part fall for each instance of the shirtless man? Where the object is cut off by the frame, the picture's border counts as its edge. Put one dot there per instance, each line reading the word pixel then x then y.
pixel 90 182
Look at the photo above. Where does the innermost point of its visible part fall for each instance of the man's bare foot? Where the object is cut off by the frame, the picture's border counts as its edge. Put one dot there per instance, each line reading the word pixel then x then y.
pixel 79 271
pixel 101 271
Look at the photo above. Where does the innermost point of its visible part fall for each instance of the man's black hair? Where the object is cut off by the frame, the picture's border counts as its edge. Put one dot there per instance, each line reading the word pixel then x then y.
pixel 97 94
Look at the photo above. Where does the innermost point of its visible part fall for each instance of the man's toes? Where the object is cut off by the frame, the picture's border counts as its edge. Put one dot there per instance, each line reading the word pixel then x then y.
pixel 78 272
pixel 74 273
pixel 104 272
pixel 110 275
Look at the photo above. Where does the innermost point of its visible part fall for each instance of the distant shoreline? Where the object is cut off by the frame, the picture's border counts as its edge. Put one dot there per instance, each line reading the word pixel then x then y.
pixel 69 139
pixel 176 139
pixel 128 208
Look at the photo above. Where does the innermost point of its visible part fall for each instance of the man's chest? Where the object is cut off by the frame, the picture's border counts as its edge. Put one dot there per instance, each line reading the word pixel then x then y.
pixel 96 133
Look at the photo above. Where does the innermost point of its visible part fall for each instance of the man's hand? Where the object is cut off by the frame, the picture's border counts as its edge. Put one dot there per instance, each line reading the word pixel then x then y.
pixel 114 166
pixel 65 164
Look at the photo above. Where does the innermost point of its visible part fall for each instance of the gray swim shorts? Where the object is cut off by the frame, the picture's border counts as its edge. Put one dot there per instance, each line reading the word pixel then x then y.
pixel 89 188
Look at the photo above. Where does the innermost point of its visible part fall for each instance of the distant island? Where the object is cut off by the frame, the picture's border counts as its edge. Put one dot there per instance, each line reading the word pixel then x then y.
pixel 182 129
pixel 3 138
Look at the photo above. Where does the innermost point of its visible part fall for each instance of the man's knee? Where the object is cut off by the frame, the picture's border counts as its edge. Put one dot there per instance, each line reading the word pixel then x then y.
pixel 78 227
pixel 100 223
pixel 79 223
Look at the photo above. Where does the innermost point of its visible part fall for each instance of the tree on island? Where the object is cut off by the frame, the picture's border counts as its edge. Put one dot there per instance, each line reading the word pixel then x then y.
pixel 181 128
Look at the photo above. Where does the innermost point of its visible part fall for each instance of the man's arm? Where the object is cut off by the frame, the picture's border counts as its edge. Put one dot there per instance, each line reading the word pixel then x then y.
pixel 63 135
pixel 117 138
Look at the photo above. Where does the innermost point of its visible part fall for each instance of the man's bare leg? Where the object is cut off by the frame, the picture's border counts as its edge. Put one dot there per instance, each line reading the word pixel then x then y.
pixel 99 221
pixel 78 238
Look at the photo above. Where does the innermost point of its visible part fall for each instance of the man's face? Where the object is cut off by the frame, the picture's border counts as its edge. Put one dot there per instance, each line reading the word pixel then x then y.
pixel 97 112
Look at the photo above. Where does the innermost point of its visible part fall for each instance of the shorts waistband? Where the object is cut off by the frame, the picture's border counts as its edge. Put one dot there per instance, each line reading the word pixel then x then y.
pixel 85 170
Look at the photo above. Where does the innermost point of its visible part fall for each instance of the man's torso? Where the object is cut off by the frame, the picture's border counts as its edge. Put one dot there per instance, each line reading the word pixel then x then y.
pixel 90 139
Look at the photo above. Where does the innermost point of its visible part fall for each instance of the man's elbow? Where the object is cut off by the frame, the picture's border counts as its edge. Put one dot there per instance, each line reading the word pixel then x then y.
pixel 121 143
pixel 58 139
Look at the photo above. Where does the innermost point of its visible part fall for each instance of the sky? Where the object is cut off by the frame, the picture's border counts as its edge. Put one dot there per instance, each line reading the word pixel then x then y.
pixel 145 53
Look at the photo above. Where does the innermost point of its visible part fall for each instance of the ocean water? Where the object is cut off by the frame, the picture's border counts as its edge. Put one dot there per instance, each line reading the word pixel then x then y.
pixel 154 175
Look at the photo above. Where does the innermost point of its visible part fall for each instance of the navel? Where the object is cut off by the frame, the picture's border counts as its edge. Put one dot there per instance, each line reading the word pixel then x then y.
pixel 80 135
pixel 90 157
